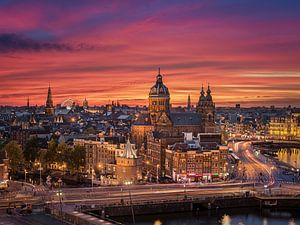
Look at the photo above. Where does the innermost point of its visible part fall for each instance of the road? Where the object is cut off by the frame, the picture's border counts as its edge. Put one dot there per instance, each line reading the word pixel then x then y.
pixel 257 168
pixel 151 192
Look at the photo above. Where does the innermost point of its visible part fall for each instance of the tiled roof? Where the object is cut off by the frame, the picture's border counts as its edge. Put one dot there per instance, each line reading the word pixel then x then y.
pixel 185 118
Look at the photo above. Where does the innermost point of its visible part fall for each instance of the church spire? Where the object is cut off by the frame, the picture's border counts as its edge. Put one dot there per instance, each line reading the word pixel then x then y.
pixel 208 94
pixel 28 102
pixel 189 103
pixel 202 91
pixel 208 90
pixel 49 102
pixel 49 109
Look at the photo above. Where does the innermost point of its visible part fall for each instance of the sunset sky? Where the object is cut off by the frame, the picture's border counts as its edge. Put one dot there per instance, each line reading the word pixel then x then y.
pixel 249 51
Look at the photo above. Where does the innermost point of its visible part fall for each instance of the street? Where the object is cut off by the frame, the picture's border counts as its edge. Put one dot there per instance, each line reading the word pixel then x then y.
pixel 257 168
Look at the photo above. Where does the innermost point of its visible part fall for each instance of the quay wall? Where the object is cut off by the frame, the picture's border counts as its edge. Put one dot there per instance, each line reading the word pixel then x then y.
pixel 197 205
pixel 177 206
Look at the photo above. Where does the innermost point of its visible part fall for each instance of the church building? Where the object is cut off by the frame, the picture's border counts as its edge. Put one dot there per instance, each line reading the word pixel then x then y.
pixel 162 120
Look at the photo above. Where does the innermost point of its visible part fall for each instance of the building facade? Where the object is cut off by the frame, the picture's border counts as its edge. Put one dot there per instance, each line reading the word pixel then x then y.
pixel 3 173
pixel 285 127
pixel 101 155
pixel 193 161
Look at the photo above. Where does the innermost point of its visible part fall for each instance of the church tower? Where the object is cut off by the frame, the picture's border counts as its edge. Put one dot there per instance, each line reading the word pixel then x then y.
pixel 189 107
pixel 85 104
pixel 28 105
pixel 159 100
pixel 49 109
pixel 206 107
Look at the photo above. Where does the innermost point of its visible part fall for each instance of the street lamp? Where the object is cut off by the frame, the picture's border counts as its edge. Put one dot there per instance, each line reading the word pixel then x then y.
pixel 130 201
pixel 40 169
pixel 93 179
pixel 25 172
pixel 147 167
pixel 184 188
pixel 59 193
pixel 157 167
pixel 100 167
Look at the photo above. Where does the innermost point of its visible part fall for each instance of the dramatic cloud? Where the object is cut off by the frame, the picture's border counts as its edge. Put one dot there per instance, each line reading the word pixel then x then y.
pixel 10 42
pixel 249 51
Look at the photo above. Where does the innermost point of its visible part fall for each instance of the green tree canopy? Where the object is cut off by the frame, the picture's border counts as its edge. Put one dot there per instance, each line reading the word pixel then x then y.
pixel 31 151
pixel 51 155
pixel 63 152
pixel 15 155
pixel 78 157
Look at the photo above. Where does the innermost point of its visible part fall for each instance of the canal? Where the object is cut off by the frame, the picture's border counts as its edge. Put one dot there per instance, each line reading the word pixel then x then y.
pixel 221 217
pixel 290 156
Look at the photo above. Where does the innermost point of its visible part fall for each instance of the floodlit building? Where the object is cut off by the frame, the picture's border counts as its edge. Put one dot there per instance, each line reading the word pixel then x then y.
pixel 285 127
pixel 193 160
pixel 128 167
pixel 101 155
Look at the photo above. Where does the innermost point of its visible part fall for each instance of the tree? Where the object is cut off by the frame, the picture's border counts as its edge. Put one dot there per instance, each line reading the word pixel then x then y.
pixel 15 156
pixel 31 150
pixel 63 153
pixel 51 155
pixel 2 150
pixel 78 157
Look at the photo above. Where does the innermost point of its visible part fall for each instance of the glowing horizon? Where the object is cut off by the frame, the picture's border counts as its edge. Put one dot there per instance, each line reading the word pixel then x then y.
pixel 248 51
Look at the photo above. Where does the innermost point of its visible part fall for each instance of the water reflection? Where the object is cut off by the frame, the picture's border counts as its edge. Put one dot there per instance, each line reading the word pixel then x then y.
pixel 157 222
pixel 290 156
pixel 226 220
pixel 242 216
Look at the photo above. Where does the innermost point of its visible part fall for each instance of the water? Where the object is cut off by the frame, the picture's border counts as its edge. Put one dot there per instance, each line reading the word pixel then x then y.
pixel 222 217
pixel 290 156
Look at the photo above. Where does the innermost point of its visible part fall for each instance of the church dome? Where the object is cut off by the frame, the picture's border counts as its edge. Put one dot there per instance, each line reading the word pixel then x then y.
pixel 159 88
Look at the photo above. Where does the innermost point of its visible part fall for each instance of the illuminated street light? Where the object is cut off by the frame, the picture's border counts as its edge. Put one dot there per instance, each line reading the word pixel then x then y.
pixel 40 169
pixel 93 171
pixel 25 172
pixel 59 194
pixel 157 167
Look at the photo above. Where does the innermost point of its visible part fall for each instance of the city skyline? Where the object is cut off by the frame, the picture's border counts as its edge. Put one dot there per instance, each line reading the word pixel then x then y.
pixel 248 52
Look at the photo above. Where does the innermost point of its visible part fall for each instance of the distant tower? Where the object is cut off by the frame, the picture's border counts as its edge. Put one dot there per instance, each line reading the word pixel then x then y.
pixel 206 107
pixel 189 104
pixel 28 102
pixel 159 99
pixel 85 104
pixel 49 109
